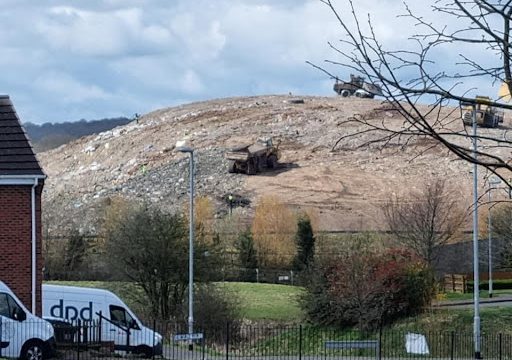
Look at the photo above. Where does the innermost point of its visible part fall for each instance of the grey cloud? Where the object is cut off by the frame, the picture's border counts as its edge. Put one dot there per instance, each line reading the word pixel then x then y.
pixel 96 58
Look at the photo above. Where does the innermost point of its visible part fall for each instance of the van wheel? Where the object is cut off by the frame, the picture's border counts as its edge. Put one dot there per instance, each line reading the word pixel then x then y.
pixel 33 350
pixel 145 351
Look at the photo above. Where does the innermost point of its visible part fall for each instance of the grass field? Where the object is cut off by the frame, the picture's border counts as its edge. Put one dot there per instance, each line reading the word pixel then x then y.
pixel 258 302
pixel 267 301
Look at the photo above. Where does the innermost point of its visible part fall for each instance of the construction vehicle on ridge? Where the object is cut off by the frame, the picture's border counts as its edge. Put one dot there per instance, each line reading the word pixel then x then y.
pixel 253 158
pixel 357 87
pixel 486 115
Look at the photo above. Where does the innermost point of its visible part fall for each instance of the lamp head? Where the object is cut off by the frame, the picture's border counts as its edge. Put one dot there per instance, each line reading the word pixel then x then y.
pixel 185 149
pixel 494 180
pixel 181 146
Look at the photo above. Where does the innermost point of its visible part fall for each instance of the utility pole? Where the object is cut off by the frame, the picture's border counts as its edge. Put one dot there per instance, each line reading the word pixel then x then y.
pixel 476 274
pixel 189 150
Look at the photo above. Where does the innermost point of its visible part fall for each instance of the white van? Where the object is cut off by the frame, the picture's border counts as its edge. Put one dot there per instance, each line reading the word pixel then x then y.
pixel 118 323
pixel 22 334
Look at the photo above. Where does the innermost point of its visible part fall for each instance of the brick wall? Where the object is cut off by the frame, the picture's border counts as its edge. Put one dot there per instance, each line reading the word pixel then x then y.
pixel 16 242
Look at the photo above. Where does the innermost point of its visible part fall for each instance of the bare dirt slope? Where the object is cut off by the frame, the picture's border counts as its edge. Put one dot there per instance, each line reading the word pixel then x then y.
pixel 344 187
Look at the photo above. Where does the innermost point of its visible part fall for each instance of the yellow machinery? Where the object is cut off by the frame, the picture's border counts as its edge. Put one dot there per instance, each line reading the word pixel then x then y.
pixel 486 115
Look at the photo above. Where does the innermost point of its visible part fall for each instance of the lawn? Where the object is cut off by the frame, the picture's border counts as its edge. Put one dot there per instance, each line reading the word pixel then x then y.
pixel 258 302
pixel 267 301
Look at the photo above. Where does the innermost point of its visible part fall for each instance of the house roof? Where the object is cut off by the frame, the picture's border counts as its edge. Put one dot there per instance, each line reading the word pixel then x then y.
pixel 16 154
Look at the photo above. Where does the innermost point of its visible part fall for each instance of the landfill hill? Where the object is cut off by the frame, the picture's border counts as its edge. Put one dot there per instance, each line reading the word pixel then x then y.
pixel 344 187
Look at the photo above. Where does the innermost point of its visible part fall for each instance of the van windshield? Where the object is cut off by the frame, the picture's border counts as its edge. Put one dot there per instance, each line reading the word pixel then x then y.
pixel 119 316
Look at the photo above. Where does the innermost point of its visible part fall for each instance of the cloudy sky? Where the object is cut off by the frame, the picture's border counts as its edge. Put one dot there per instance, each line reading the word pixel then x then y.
pixel 68 60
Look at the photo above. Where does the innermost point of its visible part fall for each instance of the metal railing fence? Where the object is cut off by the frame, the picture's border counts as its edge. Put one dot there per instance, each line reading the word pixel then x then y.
pixel 96 339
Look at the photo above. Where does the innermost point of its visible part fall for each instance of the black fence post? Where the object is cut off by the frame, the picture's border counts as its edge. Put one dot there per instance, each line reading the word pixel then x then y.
pixel 99 328
pixel 227 340
pixel 500 345
pixel 452 345
pixel 154 335
pixel 203 344
pixel 79 327
pixel 128 341
pixel 380 341
pixel 85 331
pixel 300 342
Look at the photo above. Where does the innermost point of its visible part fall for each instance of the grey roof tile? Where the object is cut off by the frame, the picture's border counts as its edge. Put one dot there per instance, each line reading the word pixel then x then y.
pixel 16 154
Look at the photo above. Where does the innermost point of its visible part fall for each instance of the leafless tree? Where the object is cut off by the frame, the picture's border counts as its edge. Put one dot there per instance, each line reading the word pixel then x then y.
pixel 425 220
pixel 410 77
pixel 502 234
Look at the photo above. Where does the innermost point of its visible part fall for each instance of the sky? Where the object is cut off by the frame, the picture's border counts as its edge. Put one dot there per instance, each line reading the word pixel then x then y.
pixel 91 59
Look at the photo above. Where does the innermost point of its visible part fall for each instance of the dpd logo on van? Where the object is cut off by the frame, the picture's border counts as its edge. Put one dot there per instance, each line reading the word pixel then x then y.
pixel 71 312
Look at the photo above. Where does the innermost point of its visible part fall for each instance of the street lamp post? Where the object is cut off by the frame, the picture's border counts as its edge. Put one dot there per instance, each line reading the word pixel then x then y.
pixel 493 181
pixel 186 149
pixel 476 273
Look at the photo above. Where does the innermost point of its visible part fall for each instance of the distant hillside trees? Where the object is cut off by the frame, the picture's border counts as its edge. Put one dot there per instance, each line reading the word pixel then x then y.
pixel 425 220
pixel 72 255
pixel 51 135
pixel 273 230
pixel 501 230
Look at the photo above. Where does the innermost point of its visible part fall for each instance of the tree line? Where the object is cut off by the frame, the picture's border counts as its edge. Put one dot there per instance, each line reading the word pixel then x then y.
pixel 51 135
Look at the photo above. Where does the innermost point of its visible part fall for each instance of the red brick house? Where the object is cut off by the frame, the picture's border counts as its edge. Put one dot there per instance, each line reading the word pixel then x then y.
pixel 21 184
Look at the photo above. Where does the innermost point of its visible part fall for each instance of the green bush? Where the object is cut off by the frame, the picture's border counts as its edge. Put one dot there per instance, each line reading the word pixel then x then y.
pixel 305 242
pixel 247 256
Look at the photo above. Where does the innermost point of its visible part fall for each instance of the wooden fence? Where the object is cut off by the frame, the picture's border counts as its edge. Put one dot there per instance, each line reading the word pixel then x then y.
pixel 455 283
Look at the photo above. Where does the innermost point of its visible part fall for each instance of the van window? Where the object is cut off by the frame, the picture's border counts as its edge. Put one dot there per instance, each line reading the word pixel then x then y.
pixel 119 316
pixel 8 307
pixel 4 305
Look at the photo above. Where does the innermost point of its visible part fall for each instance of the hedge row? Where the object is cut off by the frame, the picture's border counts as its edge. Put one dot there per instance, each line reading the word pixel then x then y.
pixel 501 284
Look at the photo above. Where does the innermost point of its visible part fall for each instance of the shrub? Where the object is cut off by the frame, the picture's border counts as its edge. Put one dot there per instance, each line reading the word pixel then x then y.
pixel 214 310
pixel 368 288
pixel 305 241
pixel 247 256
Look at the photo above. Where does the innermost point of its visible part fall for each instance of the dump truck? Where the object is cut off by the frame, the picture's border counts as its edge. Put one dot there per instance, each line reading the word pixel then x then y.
pixel 356 87
pixel 253 158
pixel 486 114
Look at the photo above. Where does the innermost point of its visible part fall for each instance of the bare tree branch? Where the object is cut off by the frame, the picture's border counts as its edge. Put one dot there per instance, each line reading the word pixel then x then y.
pixel 419 93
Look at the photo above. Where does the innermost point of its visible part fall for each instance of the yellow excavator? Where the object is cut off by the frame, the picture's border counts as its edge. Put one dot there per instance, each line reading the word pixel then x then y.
pixel 486 114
